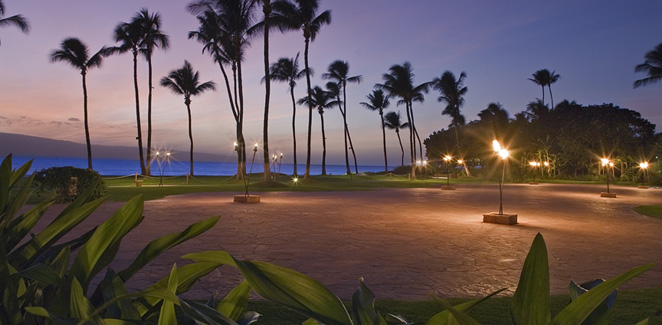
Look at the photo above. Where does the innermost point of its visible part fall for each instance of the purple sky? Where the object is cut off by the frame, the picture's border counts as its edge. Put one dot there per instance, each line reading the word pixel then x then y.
pixel 593 45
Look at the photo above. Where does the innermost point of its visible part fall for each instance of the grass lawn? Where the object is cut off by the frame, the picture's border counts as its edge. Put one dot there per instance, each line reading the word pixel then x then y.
pixel 650 210
pixel 630 308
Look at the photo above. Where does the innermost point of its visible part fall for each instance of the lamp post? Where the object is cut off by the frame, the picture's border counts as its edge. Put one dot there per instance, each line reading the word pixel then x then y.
pixel 501 218
pixel 644 169
pixel 162 158
pixel 447 160
pixel 534 165
pixel 609 166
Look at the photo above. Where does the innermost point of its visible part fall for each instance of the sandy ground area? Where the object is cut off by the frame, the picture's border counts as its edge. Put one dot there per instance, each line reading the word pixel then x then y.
pixel 407 243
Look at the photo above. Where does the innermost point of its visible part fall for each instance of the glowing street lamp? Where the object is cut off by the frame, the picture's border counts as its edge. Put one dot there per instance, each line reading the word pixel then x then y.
pixel 608 165
pixel 448 159
pixel 162 158
pixel 504 154
pixel 644 169
pixel 534 165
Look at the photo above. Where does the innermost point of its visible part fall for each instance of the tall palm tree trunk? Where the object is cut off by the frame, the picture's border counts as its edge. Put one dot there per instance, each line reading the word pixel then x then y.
pixel 351 147
pixel 420 146
pixel 381 115
pixel 551 98
pixel 87 127
pixel 294 133
pixel 411 143
pixel 148 162
pixel 344 119
pixel 349 171
pixel 190 133
pixel 323 146
pixel 267 92
pixel 138 126
pixel 310 108
pixel 240 111
pixel 402 163
pixel 543 93
pixel 236 119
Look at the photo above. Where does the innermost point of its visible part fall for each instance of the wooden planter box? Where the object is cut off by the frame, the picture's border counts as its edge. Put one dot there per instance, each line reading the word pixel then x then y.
pixel 448 188
pixel 502 219
pixel 247 199
pixel 605 194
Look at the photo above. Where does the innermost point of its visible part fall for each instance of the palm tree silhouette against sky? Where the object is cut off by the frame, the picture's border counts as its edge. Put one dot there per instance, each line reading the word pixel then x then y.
pixel 287 70
pixel 392 121
pixel 544 78
pixel 152 37
pixel 452 93
pixel 75 53
pixel 378 101
pixel 16 20
pixel 322 100
pixel 536 110
pixel 185 81
pixel 128 35
pixel 338 71
pixel 652 66
pixel 302 15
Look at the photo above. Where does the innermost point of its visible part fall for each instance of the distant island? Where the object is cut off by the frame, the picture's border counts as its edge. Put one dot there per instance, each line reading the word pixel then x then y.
pixel 29 146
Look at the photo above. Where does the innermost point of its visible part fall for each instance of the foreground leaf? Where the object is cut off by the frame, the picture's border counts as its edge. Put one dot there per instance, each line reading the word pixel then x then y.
pixel 445 317
pixel 236 302
pixel 530 304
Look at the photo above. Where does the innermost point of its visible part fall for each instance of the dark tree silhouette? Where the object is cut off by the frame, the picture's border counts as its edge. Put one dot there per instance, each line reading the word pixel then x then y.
pixel 287 70
pixel 16 20
pixel 392 121
pixel 75 53
pixel 378 101
pixel 452 93
pixel 652 66
pixel 302 15
pixel 184 81
pixel 321 100
pixel 545 78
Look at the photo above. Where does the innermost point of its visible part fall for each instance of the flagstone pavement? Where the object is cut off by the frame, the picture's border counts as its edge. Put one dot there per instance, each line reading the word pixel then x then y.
pixel 407 243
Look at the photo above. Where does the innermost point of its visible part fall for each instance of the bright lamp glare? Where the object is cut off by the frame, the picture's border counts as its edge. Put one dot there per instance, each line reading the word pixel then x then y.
pixel 643 165
pixel 533 163
pixel 448 158
pixel 496 145
pixel 604 161
pixel 503 153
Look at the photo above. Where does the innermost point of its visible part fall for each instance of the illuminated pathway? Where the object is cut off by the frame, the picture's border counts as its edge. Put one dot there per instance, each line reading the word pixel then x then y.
pixel 410 243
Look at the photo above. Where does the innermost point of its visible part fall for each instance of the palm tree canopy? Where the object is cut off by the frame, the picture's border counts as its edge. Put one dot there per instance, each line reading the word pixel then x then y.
pixel 494 113
pixel 216 41
pixel 399 82
pixel 299 14
pixel 128 35
pixel 652 66
pixel 149 26
pixel 452 93
pixel 76 53
pixel 541 77
pixel 185 81
pixel 287 70
pixel 319 98
pixel 536 109
pixel 377 101
pixel 392 121
pixel 338 71
pixel 16 20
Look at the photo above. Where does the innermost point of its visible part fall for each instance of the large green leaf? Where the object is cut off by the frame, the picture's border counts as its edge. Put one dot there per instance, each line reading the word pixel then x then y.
pixel 43 274
pixel 5 186
pixel 79 306
pixel 363 306
pixel 112 287
pixel 220 257
pixel 21 226
pixel 460 317
pixel 167 315
pixel 9 310
pixel 236 302
pixel 158 246
pixel 204 314
pixel 101 248
pixel 20 173
pixel 55 319
pixel 530 304
pixel 445 317
pixel 295 291
pixel 580 308
pixel 17 201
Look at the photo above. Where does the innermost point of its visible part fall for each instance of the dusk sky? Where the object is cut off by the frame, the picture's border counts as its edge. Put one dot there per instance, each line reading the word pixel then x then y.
pixel 593 45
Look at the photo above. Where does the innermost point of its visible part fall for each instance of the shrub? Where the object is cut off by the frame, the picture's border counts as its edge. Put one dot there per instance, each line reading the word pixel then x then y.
pixel 59 179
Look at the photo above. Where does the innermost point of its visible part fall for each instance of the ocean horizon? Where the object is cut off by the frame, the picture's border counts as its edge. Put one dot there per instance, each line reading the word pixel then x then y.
pixel 125 167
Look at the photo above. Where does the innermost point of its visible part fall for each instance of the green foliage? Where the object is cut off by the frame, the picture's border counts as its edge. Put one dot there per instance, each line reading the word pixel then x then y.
pixel 59 179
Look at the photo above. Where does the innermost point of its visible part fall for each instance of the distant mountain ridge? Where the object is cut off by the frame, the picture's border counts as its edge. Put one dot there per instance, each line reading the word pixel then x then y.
pixel 30 146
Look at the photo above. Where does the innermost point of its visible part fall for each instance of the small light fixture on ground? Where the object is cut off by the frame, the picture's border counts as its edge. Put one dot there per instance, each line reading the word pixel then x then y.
pixel 608 165
pixel 447 163
pixel 500 217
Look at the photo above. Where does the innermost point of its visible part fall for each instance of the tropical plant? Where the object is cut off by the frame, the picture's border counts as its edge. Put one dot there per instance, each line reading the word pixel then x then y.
pixel 321 100
pixel 399 82
pixel 152 37
pixel 536 110
pixel 184 81
pixel 16 20
pixel 378 101
pixel 75 53
pixel 452 93
pixel 497 117
pixel 287 70
pixel 544 78
pixel 553 78
pixel 233 19
pixel 129 36
pixel 338 71
pixel 652 66
pixel 59 179
pixel 302 15
pixel 392 122
pixel 217 41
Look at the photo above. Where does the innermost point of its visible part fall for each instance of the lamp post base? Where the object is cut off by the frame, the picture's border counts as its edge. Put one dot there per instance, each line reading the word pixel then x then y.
pixel 247 199
pixel 607 194
pixel 502 219
pixel 643 187
pixel 448 187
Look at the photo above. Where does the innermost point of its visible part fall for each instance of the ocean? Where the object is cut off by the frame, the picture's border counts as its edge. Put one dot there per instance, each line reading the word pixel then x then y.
pixel 125 167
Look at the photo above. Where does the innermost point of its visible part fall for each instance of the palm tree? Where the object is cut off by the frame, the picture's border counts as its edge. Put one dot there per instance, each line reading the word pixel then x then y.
pixel 152 37
pixel 536 110
pixel 496 116
pixel 540 78
pixel 392 121
pixel 184 81
pixel 302 15
pixel 232 19
pixel 553 77
pixel 76 53
pixel 16 20
pixel 399 82
pixel 452 93
pixel 338 71
pixel 287 70
pixel 378 101
pixel 129 37
pixel 652 66
pixel 322 100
